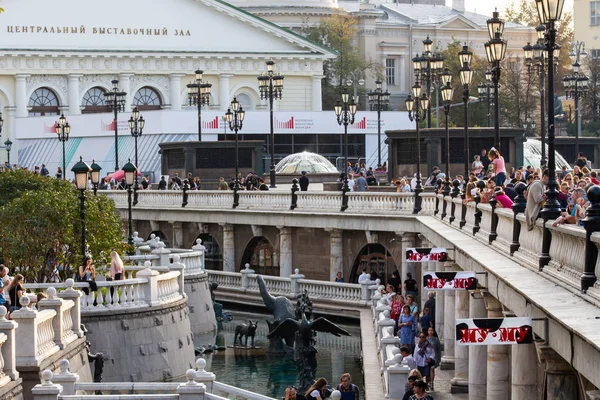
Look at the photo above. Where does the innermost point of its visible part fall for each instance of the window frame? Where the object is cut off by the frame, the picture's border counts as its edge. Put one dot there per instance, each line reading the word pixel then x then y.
pixel 391 79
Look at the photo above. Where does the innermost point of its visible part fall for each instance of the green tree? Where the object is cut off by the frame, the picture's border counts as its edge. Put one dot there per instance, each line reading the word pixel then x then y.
pixel 40 215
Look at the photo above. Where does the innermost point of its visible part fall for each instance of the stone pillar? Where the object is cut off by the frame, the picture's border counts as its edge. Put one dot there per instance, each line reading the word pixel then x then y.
pixel 8 348
pixel 477 354
pixel 317 101
pixel 440 297
pixel 175 90
pixel 224 99
pixel 286 260
pixel 125 86
pixel 177 234
pixel 336 253
pixel 47 390
pixel 10 130
pixel 228 248
pixel 561 379
pixel 460 382
pixel 21 99
pixel 497 357
pixel 408 240
pixel 449 325
pixel 524 376
pixel 74 102
pixel 402 74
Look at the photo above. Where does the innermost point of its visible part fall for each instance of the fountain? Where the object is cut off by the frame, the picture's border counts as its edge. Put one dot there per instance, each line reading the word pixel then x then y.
pixel 532 154
pixel 318 168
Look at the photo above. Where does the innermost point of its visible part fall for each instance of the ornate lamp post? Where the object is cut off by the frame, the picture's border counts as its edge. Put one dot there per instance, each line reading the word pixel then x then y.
pixel 199 95
pixel 431 65
pixel 576 85
pixel 550 11
pixel 447 95
pixel 235 118
pixel 417 104
pixel 485 91
pixel 115 100
pixel 8 147
pixel 63 129
pixel 495 50
pixel 466 75
pixel 81 170
pixel 271 88
pixel 130 173
pixel 345 112
pixel 529 126
pixel 136 125
pixel 379 100
pixel 95 175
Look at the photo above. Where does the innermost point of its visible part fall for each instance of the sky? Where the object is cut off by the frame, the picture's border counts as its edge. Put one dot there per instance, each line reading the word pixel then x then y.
pixel 487 7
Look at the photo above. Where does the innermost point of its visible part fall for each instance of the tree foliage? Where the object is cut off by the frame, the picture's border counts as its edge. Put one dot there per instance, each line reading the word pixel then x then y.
pixel 39 216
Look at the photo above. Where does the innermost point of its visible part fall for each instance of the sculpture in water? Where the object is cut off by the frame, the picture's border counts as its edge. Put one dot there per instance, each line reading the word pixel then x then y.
pixel 282 309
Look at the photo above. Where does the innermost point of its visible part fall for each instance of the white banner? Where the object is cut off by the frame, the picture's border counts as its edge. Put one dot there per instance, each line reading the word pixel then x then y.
pixel 489 331
pixel 463 280
pixel 425 254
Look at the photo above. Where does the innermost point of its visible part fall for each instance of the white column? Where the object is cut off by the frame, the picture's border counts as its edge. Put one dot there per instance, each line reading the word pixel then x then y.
pixel 402 74
pixel 175 89
pixel 336 253
pixel 177 233
pixel 497 358
pixel 408 240
pixel 224 99
pixel 10 129
pixel 21 95
pixel 460 382
pixel 74 102
pixel 125 86
pixel 524 368
pixel 317 97
pixel 477 354
pixel 440 297
pixel 449 325
pixel 285 251
pixel 228 248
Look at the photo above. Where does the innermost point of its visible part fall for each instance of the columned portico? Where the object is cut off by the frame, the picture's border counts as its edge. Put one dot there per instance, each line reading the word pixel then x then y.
pixel 224 91
pixel 449 324
pixel 175 86
pixel 497 357
pixel 460 382
pixel 228 248
pixel 286 260
pixel 477 354
pixel 21 94
pixel 336 254
pixel 74 106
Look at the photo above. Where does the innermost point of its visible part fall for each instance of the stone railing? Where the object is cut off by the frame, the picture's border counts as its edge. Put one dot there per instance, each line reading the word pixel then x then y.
pixel 363 202
pixel 332 290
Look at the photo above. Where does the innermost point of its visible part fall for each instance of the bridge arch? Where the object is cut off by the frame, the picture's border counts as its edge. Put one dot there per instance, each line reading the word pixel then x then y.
pixel 261 256
pixel 213 257
pixel 162 237
pixel 373 256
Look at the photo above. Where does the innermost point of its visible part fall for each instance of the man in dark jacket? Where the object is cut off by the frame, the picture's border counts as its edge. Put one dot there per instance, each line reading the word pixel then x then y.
pixel 162 185
pixel 303 181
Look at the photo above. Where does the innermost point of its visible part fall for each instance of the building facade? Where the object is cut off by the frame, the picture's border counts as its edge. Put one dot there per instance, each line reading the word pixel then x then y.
pixel 586 17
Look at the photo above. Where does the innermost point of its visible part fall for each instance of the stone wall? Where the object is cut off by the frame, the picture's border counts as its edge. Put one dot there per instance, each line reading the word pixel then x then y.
pixel 202 314
pixel 143 346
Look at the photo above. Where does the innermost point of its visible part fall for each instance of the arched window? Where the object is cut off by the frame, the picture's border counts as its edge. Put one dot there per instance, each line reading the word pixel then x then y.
pixel 245 101
pixel 93 101
pixel 261 256
pixel 43 102
pixel 147 99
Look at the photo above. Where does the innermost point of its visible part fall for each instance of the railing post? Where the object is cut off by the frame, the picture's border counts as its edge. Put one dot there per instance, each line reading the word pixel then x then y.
pixel 294 195
pixel 46 390
pixel 27 338
pixel 203 376
pixel 245 272
pixel 397 378
pixel 66 378
pixel 455 192
pixel 137 242
pixel 8 348
pixel 191 390
pixel 150 288
pixel 56 304
pixel 591 223
pixel 365 292
pixel 494 224
pixel 477 198
pixel 200 247
pixel 518 207
pixel 295 284
pixel 71 294
pixel 178 266
pixel 163 253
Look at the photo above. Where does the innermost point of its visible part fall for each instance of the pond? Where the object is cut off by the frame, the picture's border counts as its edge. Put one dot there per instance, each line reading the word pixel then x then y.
pixel 268 374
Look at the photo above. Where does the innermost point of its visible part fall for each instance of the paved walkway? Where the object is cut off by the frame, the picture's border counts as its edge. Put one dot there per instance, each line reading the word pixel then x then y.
pixel 442 386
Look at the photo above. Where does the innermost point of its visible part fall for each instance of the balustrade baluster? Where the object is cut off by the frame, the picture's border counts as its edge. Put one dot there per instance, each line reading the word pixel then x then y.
pixel 100 301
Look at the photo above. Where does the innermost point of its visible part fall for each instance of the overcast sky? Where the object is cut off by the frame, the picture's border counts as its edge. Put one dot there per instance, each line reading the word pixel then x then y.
pixel 487 7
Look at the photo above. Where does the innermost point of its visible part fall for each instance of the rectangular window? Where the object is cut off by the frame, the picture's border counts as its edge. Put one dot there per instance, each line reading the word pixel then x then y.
pixel 594 13
pixel 390 71
pixel 595 54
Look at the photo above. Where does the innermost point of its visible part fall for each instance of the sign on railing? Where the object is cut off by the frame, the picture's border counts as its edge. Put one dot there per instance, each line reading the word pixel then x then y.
pixel 449 280
pixel 426 254
pixel 486 331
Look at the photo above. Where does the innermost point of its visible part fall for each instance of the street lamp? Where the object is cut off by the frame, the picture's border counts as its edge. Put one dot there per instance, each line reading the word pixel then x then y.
pixel 345 112
pixel 485 91
pixel 8 147
pixel 529 126
pixel 81 170
pixel 447 95
pixel 63 129
pixel 379 100
pixel 576 85
pixel 417 104
pixel 495 50
pixel 550 11
pixel 95 175
pixel 432 65
pixel 199 95
pixel 130 171
pixel 235 118
pixel 270 85
pixel 136 125
pixel 115 99
pixel 466 75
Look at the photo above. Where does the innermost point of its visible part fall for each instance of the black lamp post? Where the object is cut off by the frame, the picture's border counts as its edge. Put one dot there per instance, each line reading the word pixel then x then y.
pixel 550 11
pixel 271 88
pixel 345 112
pixel 431 65
pixel 379 100
pixel 576 86
pixel 447 95
pixel 417 104
pixel 485 91
pixel 235 118
pixel 466 75
pixel 95 175
pixel 115 100
pixel 136 125
pixel 495 50
pixel 63 129
pixel 81 170
pixel 130 173
pixel 529 126
pixel 8 147
pixel 199 95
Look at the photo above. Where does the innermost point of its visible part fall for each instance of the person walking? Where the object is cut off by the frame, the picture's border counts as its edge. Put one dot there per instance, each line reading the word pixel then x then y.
pixel 361 184
pixel 222 184
pixel 317 390
pixel 434 341
pixel 420 391
pixel 406 325
pixel 303 181
pixel 348 389
pixel 424 356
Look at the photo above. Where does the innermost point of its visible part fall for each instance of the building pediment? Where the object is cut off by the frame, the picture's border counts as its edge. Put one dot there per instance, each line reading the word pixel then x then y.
pixel 459 22
pixel 176 26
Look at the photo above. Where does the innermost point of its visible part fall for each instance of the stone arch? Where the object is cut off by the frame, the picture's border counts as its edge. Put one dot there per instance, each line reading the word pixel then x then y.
pixel 162 237
pixel 44 101
pixel 213 257
pixel 6 98
pixel 262 256
pixel 62 97
pixel 163 97
pixel 373 256
pixel 250 91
